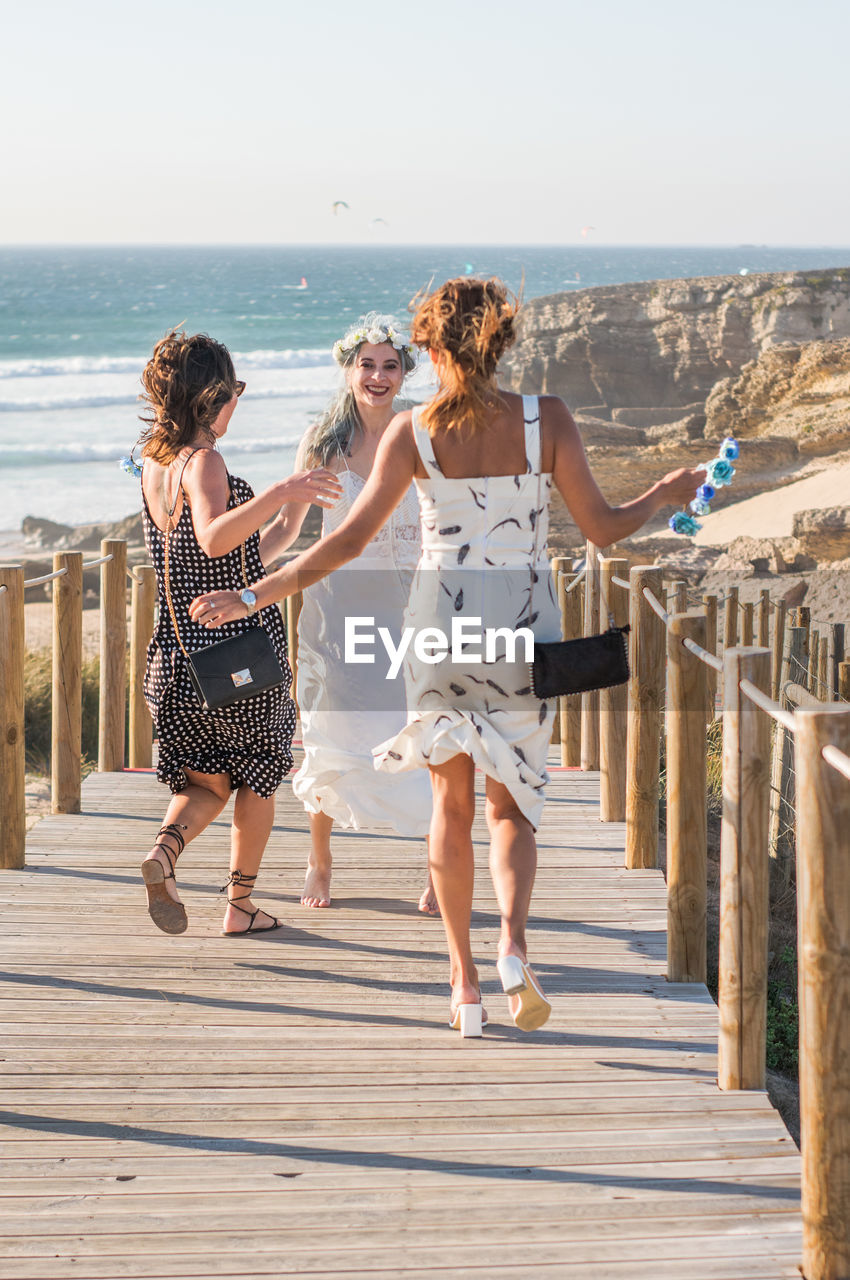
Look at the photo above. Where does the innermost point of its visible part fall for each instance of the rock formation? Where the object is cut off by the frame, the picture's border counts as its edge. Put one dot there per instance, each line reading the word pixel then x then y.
pixel 664 344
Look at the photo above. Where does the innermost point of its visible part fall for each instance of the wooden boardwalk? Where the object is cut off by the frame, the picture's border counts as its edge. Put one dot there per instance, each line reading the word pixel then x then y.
pixel 295 1104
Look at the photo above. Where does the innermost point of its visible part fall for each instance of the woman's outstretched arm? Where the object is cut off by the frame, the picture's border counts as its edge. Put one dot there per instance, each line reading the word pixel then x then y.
pixel 389 480
pixel 601 523
pixel 218 530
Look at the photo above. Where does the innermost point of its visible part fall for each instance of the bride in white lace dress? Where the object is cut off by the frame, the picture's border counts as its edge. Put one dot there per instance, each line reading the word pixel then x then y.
pixel 345 710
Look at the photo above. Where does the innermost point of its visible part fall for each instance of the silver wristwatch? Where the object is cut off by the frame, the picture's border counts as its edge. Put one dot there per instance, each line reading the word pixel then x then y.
pixel 249 599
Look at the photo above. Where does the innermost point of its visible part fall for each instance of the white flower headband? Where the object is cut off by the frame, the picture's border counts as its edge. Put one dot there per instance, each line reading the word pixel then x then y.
pixel 373 328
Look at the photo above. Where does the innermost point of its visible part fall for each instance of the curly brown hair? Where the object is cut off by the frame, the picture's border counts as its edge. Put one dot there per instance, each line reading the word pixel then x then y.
pixel 471 323
pixel 187 382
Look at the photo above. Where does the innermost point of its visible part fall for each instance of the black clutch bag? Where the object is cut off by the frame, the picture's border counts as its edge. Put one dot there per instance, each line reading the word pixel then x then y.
pixel 231 670
pixel 234 669
pixel 562 667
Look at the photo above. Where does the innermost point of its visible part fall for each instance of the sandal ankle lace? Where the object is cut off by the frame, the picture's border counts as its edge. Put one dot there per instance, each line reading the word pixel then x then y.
pixel 173 831
pixel 240 878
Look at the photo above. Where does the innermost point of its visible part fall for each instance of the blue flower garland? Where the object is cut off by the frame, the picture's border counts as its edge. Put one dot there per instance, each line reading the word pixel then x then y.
pixel 130 466
pixel 719 472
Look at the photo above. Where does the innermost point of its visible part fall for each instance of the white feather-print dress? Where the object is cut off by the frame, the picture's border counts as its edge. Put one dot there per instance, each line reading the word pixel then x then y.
pixel 346 708
pixel 483 557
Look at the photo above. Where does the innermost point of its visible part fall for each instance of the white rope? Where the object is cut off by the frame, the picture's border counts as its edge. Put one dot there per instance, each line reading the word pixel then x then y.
pixel 133 575
pixel 92 564
pixel 48 577
pixel 3 588
pixel 837 759
pixel 799 696
pixel 656 605
pixel 703 654
pixel 577 579
pixel 621 582
pixel 767 704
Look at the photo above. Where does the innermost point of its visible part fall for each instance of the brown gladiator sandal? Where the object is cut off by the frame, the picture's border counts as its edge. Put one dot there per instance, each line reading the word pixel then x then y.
pixel 239 877
pixel 167 915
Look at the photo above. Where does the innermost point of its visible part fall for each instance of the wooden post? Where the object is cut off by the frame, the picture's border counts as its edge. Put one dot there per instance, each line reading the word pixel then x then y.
pixel 747 623
pixel 571 628
pixel 140 750
pixel 710 602
pixel 763 630
pixel 823 912
pixel 730 619
pixel 677 596
pixel 590 701
pixel 779 616
pixel 687 839
pixel 557 565
pixel 113 655
pixel 822 685
pixel 802 619
pixel 814 662
pixel 834 656
pixel 67 694
pixel 645 699
pixel 844 681
pixel 613 703
pixel 13 804
pixel 744 878
pixel 781 826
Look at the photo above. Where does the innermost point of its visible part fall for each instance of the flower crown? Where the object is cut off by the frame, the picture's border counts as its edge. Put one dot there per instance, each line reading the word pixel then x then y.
pixel 373 328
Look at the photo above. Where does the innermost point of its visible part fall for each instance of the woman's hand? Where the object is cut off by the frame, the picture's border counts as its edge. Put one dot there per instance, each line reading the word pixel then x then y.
pixel 678 487
pixel 319 486
pixel 217 607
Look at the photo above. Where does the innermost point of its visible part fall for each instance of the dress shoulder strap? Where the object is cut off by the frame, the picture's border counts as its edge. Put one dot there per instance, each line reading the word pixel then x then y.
pixel 179 488
pixel 423 444
pixel 533 442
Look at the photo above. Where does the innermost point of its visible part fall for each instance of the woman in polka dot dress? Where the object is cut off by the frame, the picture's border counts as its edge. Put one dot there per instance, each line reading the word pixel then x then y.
pixel 205 515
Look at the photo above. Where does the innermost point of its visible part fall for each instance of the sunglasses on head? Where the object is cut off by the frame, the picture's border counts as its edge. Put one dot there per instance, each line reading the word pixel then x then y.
pixel 238 387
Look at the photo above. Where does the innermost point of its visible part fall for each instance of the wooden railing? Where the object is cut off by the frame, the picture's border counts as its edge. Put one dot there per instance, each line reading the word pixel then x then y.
pixel 674 667
pixel 66 702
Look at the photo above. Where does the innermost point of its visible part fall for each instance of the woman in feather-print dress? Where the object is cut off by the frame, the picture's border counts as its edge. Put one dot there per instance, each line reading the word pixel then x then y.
pixel 484 460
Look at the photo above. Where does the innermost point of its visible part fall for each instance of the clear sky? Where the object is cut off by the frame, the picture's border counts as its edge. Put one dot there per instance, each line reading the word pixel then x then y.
pixel 453 121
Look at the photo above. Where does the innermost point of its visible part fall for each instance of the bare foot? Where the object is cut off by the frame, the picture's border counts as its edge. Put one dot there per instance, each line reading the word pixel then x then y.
pixel 239 921
pixel 428 904
pixel 317 883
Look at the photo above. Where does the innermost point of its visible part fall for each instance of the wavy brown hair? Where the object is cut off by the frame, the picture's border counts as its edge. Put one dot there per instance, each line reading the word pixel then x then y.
pixel 471 323
pixel 187 382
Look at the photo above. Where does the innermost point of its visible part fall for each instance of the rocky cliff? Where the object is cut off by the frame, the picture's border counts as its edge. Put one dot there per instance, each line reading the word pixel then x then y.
pixel 666 343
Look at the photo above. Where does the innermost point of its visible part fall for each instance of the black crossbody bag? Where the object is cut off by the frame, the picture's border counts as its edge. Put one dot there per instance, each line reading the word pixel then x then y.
pixel 562 667
pixel 234 669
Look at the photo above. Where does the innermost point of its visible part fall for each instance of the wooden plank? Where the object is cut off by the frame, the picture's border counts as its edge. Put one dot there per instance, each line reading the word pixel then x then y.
pixel 310 1079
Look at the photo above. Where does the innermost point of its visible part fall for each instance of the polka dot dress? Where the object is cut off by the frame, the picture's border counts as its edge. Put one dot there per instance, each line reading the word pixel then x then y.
pixel 250 740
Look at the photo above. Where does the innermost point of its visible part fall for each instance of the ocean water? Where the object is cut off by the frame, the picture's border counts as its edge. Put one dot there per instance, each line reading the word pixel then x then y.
pixel 77 325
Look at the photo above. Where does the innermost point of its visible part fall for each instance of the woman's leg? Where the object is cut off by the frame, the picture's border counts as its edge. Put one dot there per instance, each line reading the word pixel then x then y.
pixel 452 868
pixel 428 901
pixel 253 818
pixel 513 865
pixel 191 810
pixel 317 883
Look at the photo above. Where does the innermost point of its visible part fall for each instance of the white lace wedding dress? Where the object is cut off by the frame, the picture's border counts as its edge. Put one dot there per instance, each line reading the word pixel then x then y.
pixel 348 708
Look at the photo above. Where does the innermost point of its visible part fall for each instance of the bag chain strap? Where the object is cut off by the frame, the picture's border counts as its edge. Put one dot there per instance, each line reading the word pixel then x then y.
pixel 169 530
